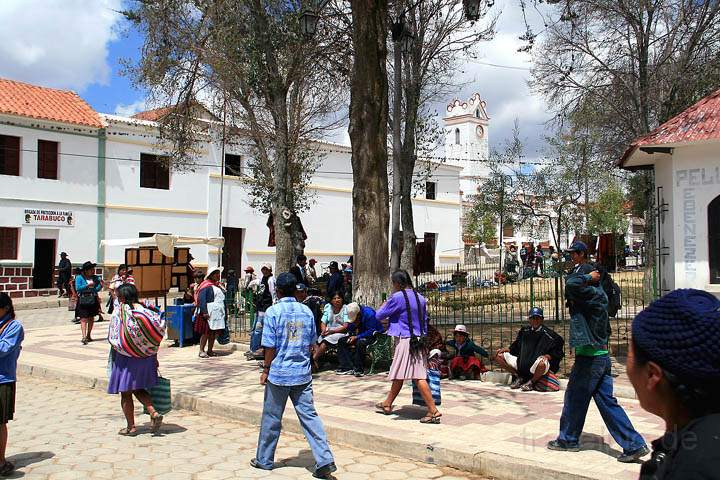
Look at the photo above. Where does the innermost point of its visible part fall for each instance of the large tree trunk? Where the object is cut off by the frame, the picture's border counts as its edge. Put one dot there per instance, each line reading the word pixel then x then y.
pixel 368 136
pixel 397 239
pixel 412 94
pixel 284 248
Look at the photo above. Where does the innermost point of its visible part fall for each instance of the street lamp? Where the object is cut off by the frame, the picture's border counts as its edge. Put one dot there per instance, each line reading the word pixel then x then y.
pixel 402 34
pixel 472 9
pixel 308 22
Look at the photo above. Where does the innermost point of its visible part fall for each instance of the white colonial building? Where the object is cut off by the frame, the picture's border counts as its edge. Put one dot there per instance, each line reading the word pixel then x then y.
pixel 72 177
pixel 684 154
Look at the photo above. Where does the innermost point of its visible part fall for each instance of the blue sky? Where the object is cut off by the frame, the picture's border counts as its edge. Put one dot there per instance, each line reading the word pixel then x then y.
pixel 119 90
pixel 78 45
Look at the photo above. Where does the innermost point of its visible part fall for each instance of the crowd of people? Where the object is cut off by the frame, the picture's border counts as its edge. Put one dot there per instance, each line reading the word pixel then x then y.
pixel 673 362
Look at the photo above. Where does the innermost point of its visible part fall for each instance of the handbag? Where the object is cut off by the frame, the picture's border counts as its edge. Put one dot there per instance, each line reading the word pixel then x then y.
pixel 87 299
pixel 160 396
pixel 433 379
pixel 417 343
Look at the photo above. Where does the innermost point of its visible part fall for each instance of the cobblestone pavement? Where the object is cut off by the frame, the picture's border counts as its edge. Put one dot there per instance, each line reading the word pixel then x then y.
pixel 66 432
pixel 502 431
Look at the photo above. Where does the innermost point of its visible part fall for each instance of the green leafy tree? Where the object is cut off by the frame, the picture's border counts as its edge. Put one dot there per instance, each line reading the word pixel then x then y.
pixel 254 70
pixel 607 214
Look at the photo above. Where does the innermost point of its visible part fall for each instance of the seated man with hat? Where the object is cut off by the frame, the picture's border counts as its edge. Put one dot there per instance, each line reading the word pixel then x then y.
pixel 363 329
pixel 464 363
pixel 534 356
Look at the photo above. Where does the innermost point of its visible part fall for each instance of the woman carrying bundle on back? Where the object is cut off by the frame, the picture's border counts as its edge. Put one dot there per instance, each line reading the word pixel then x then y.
pixel 135 333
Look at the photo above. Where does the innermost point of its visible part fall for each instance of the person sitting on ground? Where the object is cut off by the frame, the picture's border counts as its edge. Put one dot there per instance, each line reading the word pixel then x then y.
pixel 674 366
pixel 464 363
pixel 534 357
pixel 334 326
pixel 363 329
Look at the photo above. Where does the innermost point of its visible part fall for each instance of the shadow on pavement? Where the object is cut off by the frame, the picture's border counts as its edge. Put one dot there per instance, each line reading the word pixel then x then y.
pixel 591 441
pixel 304 459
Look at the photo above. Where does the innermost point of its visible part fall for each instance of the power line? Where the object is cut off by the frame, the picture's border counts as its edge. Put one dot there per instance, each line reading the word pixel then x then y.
pixel 497 65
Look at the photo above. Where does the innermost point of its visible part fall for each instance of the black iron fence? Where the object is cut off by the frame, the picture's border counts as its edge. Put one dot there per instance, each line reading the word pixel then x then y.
pixel 493 308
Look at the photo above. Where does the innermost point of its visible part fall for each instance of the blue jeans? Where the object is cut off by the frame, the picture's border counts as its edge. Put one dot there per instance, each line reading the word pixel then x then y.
pixel 302 398
pixel 256 335
pixel 590 378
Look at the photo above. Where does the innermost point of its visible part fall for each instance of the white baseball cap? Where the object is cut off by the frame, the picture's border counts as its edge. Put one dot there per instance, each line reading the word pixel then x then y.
pixel 461 329
pixel 267 265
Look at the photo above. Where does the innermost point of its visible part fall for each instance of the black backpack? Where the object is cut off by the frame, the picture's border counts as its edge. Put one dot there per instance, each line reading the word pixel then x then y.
pixel 611 289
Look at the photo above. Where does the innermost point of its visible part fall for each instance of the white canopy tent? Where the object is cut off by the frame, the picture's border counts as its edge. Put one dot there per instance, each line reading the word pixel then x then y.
pixel 165 243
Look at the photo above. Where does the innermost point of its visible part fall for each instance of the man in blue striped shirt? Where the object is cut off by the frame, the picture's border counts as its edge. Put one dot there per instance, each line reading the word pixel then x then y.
pixel 288 333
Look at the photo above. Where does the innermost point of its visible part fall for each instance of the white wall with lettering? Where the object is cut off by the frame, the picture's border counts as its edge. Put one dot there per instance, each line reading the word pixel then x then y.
pixel 695 183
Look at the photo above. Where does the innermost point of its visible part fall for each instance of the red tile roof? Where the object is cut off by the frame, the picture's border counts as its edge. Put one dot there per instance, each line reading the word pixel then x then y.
pixel 697 123
pixel 26 100
pixel 153 115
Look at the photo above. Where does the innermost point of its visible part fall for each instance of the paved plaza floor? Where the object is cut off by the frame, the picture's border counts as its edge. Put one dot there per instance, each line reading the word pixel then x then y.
pixel 64 432
pixel 486 428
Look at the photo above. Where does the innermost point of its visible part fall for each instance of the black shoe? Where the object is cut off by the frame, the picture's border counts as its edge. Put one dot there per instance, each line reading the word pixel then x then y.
pixel 561 446
pixel 254 463
pixel 359 373
pixel 633 457
pixel 324 472
pixel 342 371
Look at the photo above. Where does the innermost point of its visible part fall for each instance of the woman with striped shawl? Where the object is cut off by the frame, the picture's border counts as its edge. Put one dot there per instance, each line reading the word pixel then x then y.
pixel 135 333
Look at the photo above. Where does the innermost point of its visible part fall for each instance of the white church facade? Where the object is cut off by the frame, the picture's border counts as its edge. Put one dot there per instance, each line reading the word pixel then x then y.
pixel 72 177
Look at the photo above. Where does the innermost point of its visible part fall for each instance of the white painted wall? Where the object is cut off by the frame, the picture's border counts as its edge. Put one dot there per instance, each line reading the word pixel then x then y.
pixel 191 205
pixel 74 190
pixel 694 184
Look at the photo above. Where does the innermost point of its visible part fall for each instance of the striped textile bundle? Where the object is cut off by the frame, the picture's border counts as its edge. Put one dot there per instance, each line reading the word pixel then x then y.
pixel 433 378
pixel 136 332
pixel 548 383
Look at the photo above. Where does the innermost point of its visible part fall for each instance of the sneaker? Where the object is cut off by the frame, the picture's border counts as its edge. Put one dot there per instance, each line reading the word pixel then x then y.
pixel 359 373
pixel 324 472
pixel 633 457
pixel 342 371
pixel 561 446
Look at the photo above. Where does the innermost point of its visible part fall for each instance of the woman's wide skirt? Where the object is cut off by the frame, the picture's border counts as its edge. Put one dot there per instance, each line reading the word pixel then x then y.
pixel 130 373
pixel 407 365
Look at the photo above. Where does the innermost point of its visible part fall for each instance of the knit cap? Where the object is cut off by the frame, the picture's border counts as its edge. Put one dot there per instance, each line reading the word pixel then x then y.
pixel 681 332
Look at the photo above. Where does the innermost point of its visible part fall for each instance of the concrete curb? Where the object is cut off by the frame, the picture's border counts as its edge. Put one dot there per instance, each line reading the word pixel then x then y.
pixel 502 467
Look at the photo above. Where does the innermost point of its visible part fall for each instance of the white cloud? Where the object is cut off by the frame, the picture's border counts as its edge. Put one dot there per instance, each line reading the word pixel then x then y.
pixel 506 90
pixel 57 43
pixel 130 109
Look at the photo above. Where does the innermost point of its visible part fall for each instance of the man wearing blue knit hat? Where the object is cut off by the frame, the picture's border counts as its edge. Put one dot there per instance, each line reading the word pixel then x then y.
pixel 674 367
pixel 590 376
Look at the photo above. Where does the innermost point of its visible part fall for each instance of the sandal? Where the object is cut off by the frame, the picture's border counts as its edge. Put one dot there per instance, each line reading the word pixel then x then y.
pixel 84 341
pixel 517 383
pixel 203 355
pixel 155 422
pixel 128 432
pixel 527 387
pixel 432 417
pixel 7 468
pixel 384 409
pixel 211 354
